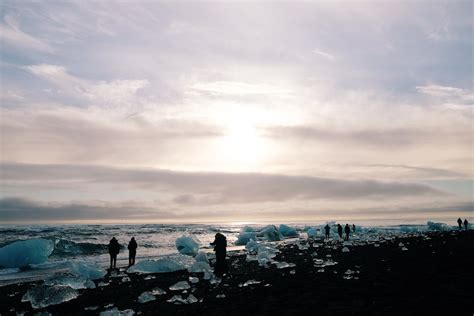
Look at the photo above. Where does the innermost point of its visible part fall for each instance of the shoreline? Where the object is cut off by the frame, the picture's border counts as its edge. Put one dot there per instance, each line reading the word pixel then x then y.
pixel 433 275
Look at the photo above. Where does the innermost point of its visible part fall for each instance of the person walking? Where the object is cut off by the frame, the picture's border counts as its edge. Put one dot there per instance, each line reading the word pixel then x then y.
pixel 114 249
pixel 339 230
pixel 132 251
pixel 347 230
pixel 466 224
pixel 220 248
pixel 353 228
pixel 460 223
pixel 327 229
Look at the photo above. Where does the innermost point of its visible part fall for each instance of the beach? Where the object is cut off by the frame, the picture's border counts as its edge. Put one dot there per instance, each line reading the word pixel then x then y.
pixel 414 274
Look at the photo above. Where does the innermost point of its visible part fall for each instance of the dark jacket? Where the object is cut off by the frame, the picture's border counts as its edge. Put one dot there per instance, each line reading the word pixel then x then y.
pixel 220 244
pixel 132 246
pixel 114 247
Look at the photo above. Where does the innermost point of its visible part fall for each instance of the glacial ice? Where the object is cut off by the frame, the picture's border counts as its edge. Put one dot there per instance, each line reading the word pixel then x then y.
pixel 116 312
pixel 270 233
pixel 251 246
pixel 181 285
pixel 437 226
pixel 287 231
pixel 167 264
pixel 20 254
pixel 88 270
pixel 177 299
pixel 187 245
pixel 193 280
pixel 245 237
pixel 146 297
pixel 283 265
pixel 158 291
pixel 345 249
pixel 312 232
pixel 246 229
pixel 200 266
pixel 69 279
pixel 202 257
pixel 45 295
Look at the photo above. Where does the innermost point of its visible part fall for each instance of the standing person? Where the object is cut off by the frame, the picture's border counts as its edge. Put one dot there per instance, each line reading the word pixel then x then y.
pixel 347 230
pixel 466 223
pixel 339 230
pixel 132 251
pixel 114 249
pixel 327 229
pixel 460 223
pixel 220 247
pixel 353 228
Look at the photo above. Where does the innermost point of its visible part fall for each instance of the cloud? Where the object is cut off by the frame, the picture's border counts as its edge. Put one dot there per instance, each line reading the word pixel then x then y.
pixel 421 172
pixel 215 187
pixel 324 54
pixel 11 33
pixel 238 88
pixel 443 91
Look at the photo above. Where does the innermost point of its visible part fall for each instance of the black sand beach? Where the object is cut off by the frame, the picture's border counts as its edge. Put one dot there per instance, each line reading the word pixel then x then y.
pixel 433 276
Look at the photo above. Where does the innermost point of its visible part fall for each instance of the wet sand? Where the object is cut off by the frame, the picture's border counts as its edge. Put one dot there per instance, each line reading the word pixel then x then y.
pixel 433 276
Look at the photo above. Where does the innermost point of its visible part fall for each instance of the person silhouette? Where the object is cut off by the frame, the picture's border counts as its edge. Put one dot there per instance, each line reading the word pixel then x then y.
pixel 460 223
pixel 339 230
pixel 327 229
pixel 353 228
pixel 132 251
pixel 114 249
pixel 347 230
pixel 466 224
pixel 220 248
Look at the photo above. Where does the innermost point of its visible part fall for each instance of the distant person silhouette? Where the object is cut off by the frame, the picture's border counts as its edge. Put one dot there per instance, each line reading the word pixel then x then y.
pixel 220 248
pixel 114 249
pixel 460 223
pixel 132 251
pixel 353 228
pixel 327 229
pixel 339 230
pixel 347 230
pixel 466 223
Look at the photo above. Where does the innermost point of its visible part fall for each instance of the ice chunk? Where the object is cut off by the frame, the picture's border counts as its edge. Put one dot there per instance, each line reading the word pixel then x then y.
pixel 45 295
pixel 245 237
pixel 146 297
pixel 69 279
pixel 187 245
pixel 220 296
pixel 437 226
pixel 88 270
pixel 250 282
pixel 192 299
pixel 251 246
pixel 168 264
pixel 116 312
pixel 312 232
pixel 158 291
pixel 287 231
pixel 200 266
pixel 181 285
pixel 283 265
pixel 201 256
pixel 345 249
pixel 20 254
pixel 246 229
pixel 270 233
pixel 193 280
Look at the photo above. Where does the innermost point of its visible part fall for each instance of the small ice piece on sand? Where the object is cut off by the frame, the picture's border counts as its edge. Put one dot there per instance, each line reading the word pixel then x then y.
pixel 192 299
pixel 193 280
pixel 125 279
pixel 283 265
pixel 349 272
pixel 250 282
pixel 345 249
pixel 158 291
pixel 401 244
pixel 91 308
pixel 177 299
pixel 220 296
pixel 376 245
pixel 187 245
pixel 116 312
pixel 44 295
pixel 302 247
pixel 146 297
pixel 149 277
pixel 404 248
pixel 102 284
pixel 292 272
pixel 181 285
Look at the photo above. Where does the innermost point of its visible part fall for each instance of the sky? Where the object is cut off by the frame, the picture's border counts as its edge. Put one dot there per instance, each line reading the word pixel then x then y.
pixel 236 111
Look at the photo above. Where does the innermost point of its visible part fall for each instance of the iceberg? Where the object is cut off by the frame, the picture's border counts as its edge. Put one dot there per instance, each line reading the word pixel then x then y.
pixel 251 246
pixel 437 226
pixel 45 295
pixel 312 232
pixel 246 229
pixel 68 279
pixel 20 254
pixel 287 231
pixel 88 270
pixel 187 245
pixel 157 266
pixel 245 237
pixel 146 297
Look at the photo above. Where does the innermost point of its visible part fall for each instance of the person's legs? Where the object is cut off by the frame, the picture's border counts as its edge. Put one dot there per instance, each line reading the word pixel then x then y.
pixel 115 261
pixel 111 259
